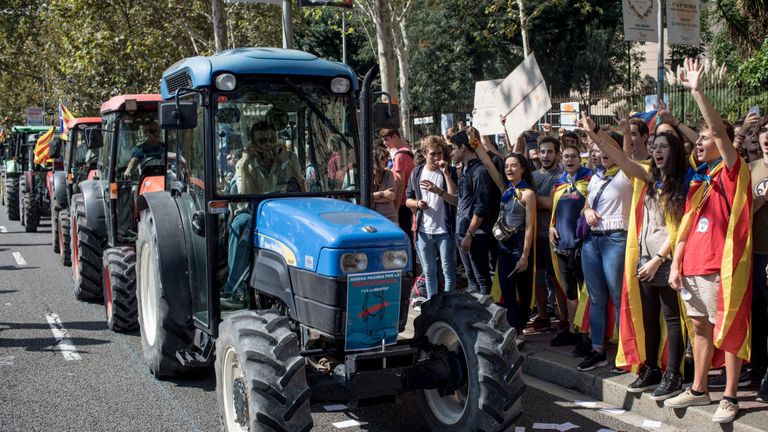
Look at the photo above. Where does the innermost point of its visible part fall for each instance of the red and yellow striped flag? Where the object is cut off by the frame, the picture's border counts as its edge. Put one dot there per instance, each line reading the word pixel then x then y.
pixel 42 146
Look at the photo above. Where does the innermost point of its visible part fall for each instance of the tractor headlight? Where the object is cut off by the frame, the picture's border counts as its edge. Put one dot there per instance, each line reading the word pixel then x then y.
pixel 226 82
pixel 340 85
pixel 354 262
pixel 395 259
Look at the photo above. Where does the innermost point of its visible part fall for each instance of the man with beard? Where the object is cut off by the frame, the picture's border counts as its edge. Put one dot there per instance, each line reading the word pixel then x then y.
pixel 544 180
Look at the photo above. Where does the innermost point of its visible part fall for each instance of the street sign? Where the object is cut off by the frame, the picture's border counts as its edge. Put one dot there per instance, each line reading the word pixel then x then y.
pixel 35 116
pixel 274 2
pixel 683 25
pixel 569 115
pixel 640 20
pixel 335 3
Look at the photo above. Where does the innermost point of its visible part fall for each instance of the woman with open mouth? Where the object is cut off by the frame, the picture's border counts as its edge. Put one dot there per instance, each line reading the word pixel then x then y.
pixel 658 202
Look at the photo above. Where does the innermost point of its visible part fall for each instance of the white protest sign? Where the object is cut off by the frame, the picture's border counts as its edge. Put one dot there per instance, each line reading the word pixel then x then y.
pixel 485 117
pixel 523 97
pixel 35 116
pixel 683 22
pixel 640 20
pixel 528 112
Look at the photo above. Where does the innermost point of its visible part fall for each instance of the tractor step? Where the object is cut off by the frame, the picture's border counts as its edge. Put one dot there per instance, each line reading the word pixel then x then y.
pixel 192 358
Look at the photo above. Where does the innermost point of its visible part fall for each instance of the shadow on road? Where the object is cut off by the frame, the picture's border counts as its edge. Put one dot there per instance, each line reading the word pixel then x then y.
pixel 27 244
pixel 17 268
pixel 203 379
pixel 48 344
pixel 73 325
pixel 8 291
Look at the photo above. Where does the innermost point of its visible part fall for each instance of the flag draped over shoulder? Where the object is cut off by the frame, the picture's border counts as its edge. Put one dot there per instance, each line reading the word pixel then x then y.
pixel 732 331
pixel 64 117
pixel 579 182
pixel 42 145
pixel 632 350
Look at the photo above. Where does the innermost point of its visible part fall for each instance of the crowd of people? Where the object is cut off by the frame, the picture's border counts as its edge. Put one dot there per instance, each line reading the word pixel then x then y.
pixel 654 237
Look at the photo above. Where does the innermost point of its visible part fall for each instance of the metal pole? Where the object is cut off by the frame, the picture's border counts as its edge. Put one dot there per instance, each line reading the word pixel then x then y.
pixel 660 72
pixel 344 37
pixel 287 25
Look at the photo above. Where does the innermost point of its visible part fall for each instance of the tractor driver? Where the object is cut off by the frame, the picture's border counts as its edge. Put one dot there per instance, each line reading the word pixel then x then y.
pixel 152 148
pixel 254 174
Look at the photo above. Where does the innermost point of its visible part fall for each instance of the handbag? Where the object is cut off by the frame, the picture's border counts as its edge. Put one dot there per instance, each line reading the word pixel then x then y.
pixel 661 278
pixel 582 227
pixel 501 231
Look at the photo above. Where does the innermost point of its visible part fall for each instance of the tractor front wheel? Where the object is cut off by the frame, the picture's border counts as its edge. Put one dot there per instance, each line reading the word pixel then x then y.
pixel 120 289
pixel 55 228
pixel 87 248
pixel 261 382
pixel 63 224
pixel 474 328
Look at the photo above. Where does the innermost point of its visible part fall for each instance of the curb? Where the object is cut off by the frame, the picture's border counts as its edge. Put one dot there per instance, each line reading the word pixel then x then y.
pixel 557 366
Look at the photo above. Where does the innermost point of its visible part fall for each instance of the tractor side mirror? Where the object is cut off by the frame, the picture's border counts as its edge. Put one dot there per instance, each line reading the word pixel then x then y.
pixel 386 116
pixel 54 150
pixel 181 115
pixel 93 138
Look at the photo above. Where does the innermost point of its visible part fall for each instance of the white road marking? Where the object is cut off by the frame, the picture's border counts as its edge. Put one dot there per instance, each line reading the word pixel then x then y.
pixel 346 424
pixel 64 343
pixel 6 361
pixel 19 259
pixel 3 229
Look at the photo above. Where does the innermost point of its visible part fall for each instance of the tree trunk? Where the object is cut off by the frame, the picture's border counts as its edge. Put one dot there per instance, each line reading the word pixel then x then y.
pixel 386 52
pixel 523 28
pixel 402 50
pixel 219 18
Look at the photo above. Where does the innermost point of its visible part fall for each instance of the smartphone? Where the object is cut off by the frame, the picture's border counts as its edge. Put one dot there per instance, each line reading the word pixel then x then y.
pixel 755 109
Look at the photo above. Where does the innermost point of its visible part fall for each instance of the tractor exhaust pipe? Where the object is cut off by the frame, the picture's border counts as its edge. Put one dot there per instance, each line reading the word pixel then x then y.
pixel 366 137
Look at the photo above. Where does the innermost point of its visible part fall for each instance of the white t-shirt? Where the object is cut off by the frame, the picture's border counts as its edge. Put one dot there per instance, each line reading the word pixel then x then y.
pixel 433 218
pixel 614 204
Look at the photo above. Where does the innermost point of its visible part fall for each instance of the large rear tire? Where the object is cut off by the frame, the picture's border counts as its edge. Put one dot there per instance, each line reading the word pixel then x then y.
pixel 12 198
pixel 261 382
pixel 473 326
pixel 64 225
pixel 161 336
pixel 30 212
pixel 87 248
pixel 120 289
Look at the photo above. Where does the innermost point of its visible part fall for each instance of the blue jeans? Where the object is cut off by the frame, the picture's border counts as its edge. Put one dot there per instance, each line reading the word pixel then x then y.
pixel 238 249
pixel 429 245
pixel 602 260
pixel 476 262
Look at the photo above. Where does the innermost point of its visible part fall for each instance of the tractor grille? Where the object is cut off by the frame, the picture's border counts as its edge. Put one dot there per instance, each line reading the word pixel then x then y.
pixel 178 80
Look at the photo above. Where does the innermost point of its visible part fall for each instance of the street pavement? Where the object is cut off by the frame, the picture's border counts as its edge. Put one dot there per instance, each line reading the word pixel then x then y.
pixel 61 369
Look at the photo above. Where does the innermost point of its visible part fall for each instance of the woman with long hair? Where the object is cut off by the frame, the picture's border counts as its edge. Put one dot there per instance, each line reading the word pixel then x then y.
pixel 383 185
pixel 658 204
pixel 515 230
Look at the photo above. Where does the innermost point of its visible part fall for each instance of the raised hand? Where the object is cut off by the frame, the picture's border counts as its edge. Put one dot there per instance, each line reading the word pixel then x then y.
pixel 588 123
pixel 622 119
pixel 690 76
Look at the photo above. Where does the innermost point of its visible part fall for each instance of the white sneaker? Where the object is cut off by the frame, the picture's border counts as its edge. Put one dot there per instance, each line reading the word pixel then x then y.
pixel 726 412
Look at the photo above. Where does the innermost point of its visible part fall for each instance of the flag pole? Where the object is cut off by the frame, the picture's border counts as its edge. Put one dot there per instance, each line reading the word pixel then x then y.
pixel 660 70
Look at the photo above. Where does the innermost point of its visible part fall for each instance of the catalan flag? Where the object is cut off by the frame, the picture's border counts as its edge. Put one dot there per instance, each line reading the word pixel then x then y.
pixel 64 117
pixel 632 352
pixel 42 146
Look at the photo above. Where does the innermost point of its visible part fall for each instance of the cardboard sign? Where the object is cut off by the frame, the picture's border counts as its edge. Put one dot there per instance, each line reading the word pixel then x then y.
pixel 373 310
pixel 640 20
pixel 683 25
pixel 486 114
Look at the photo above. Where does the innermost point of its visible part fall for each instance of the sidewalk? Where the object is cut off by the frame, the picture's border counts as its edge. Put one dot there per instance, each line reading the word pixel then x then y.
pixel 557 366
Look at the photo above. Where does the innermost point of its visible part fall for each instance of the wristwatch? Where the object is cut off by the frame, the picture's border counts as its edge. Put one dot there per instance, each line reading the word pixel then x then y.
pixel 662 258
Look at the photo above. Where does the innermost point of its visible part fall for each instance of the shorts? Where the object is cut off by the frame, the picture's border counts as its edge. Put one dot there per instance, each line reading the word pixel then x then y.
pixel 704 290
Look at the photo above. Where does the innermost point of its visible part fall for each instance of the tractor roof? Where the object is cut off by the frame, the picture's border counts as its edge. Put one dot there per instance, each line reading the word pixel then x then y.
pixel 31 129
pixel 83 120
pixel 197 72
pixel 146 102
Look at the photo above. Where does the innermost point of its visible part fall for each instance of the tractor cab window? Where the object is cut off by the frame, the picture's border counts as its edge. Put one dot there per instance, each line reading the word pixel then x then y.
pixel 283 138
pixel 139 145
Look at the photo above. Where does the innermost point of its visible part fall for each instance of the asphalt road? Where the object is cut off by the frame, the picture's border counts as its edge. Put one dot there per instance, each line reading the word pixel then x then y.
pixel 102 383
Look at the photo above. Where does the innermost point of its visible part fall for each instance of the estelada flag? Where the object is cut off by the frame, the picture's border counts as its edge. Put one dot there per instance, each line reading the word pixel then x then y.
pixel 42 146
pixel 632 350
pixel 732 332
pixel 64 117
pixel 564 184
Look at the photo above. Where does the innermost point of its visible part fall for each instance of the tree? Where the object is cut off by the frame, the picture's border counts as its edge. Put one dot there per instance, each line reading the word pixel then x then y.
pixel 219 18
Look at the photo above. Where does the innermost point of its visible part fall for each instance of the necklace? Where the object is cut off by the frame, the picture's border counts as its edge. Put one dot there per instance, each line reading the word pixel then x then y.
pixel 638 9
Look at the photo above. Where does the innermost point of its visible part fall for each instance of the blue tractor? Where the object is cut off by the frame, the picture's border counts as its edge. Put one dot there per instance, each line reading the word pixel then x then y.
pixel 262 256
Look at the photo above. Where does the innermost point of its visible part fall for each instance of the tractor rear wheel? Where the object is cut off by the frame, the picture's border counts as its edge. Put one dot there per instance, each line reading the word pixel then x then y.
pixel 120 289
pixel 161 336
pixel 55 227
pixel 87 248
pixel 474 327
pixel 261 382
pixel 30 212
pixel 63 224
pixel 12 198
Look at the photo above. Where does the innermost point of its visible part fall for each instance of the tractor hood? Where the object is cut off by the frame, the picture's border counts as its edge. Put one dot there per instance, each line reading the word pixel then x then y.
pixel 300 228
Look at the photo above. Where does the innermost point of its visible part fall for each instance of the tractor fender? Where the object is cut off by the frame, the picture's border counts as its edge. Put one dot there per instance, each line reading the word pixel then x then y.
pixel 269 275
pixel 59 190
pixel 93 202
pixel 172 253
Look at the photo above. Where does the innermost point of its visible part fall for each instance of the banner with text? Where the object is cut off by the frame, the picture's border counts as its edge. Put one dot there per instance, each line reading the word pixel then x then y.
pixel 683 22
pixel 640 20
pixel 523 96
pixel 485 116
